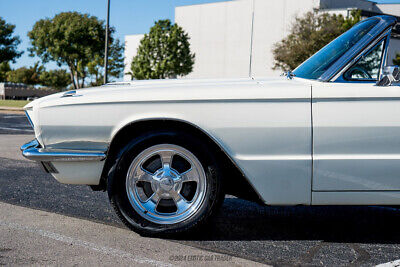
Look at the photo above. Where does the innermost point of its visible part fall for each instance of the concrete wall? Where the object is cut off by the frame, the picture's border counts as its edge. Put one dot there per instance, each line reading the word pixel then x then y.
pixel 337 4
pixel 236 38
pixel 131 44
pixel 392 9
pixel 22 91
pixel 220 37
pixel 272 22
pixel 394 47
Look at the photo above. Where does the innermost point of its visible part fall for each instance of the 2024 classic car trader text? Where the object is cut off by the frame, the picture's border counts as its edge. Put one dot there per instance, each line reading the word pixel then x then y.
pixel 167 151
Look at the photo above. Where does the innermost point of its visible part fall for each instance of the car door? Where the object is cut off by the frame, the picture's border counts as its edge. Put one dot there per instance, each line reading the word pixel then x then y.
pixel 356 132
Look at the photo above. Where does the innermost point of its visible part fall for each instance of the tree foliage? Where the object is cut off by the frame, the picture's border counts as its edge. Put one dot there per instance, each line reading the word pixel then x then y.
pixel 8 42
pixel 37 75
pixel 4 69
pixel 26 75
pixel 57 79
pixel 71 39
pixel 163 53
pixel 396 60
pixel 308 35
pixel 95 68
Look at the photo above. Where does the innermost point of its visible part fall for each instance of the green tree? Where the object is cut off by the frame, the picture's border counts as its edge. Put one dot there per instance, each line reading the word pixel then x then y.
pixel 163 53
pixel 57 79
pixel 352 20
pixel 4 69
pixel 396 60
pixel 71 39
pixel 26 75
pixel 8 42
pixel 95 68
pixel 308 35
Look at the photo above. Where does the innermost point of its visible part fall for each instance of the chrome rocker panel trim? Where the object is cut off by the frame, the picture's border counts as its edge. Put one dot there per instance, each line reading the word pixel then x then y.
pixel 33 151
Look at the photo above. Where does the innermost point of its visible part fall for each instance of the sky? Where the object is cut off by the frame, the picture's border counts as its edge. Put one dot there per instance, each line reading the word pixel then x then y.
pixel 386 1
pixel 127 16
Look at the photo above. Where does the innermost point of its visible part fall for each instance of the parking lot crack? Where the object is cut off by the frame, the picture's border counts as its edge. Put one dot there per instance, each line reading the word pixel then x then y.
pixel 310 254
pixel 362 254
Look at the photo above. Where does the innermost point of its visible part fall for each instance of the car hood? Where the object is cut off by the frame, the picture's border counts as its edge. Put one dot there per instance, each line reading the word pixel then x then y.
pixel 171 90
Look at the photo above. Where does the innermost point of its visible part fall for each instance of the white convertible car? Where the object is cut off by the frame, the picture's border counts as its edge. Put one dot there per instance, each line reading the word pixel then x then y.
pixel 167 151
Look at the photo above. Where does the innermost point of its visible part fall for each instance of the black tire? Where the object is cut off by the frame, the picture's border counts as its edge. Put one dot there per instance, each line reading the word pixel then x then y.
pixel 117 192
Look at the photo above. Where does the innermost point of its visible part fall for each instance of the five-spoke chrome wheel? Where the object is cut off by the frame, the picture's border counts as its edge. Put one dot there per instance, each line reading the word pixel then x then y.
pixel 166 184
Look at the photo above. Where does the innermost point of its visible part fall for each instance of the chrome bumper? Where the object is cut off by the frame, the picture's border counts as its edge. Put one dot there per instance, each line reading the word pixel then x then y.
pixel 33 151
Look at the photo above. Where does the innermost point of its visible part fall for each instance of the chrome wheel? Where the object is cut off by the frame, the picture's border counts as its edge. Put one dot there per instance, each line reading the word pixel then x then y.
pixel 166 184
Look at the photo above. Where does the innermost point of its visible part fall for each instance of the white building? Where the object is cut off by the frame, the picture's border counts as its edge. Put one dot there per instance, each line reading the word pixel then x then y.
pixel 236 38
pixel 131 44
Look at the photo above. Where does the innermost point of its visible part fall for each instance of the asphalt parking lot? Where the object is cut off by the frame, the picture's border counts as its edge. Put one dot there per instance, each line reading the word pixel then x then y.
pixel 14 123
pixel 59 214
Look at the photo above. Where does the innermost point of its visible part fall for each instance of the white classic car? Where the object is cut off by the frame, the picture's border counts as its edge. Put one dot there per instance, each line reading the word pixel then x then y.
pixel 167 151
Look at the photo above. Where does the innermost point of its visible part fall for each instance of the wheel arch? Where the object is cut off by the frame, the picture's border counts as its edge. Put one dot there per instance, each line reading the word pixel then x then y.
pixel 240 186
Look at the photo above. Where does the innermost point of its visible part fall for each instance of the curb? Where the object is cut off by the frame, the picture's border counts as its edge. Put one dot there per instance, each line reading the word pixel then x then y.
pixel 11 109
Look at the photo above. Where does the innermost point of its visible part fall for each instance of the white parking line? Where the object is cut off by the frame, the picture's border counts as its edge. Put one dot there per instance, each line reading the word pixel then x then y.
pixel 12 116
pixel 84 244
pixel 47 237
pixel 395 263
pixel 16 129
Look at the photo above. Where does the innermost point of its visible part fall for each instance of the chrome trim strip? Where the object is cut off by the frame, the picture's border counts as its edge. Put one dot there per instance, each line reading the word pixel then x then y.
pixel 385 53
pixel 29 119
pixel 33 151
pixel 72 93
pixel 30 144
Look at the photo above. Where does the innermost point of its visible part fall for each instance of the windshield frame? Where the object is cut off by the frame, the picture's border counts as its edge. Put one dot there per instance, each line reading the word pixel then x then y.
pixel 384 37
pixel 352 55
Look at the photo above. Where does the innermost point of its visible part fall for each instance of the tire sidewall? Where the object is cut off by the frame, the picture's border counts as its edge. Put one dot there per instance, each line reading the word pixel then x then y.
pixel 118 173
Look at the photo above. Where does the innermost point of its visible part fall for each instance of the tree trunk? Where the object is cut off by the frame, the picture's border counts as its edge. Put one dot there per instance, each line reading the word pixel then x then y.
pixel 83 82
pixel 71 73
pixel 77 80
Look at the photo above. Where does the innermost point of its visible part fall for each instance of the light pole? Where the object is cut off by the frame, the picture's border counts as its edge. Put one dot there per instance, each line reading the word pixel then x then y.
pixel 106 45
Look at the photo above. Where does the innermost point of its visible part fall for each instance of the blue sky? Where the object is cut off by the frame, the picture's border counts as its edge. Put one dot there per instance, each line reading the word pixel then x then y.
pixel 127 16
pixel 386 1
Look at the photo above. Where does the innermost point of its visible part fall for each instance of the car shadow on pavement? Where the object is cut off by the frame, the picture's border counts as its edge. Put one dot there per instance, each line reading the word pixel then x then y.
pixel 244 220
pixel 24 183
